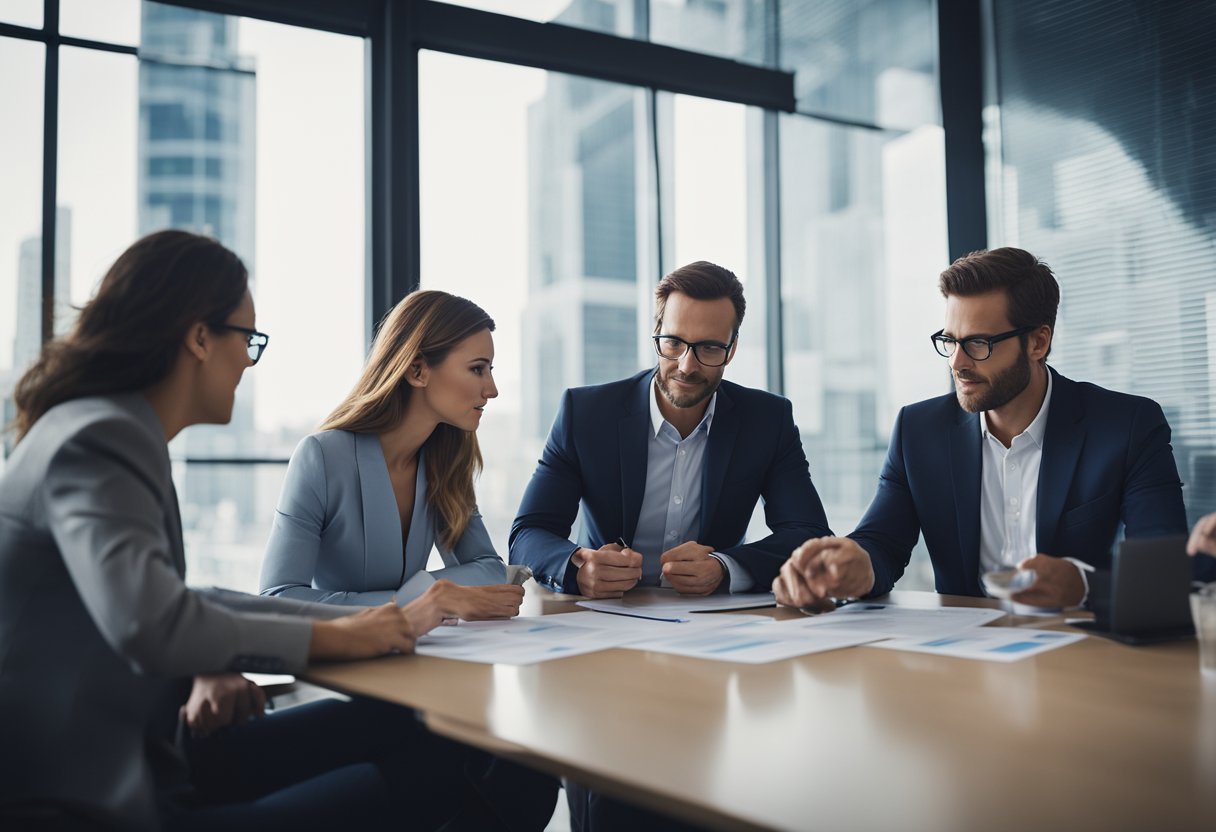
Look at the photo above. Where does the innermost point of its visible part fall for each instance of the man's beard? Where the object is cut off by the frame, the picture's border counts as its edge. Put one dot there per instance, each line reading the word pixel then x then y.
pixel 1002 388
pixel 691 398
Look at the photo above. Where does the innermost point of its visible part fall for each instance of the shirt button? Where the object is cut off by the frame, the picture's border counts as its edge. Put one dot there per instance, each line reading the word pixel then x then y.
pixel 1013 466
pixel 678 500
pixel 682 452
pixel 1013 501
pixel 671 534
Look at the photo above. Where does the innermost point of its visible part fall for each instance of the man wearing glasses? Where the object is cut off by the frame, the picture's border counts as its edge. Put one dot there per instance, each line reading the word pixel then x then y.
pixel 1019 467
pixel 668 465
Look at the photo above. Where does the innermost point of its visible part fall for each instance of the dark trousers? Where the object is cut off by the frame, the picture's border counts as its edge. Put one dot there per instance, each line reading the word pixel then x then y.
pixel 333 765
pixel 591 811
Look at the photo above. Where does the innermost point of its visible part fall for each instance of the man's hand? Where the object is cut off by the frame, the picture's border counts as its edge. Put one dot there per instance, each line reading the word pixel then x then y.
pixel 691 569
pixel 366 634
pixel 1203 537
pixel 1058 583
pixel 607 572
pixel 218 700
pixel 824 567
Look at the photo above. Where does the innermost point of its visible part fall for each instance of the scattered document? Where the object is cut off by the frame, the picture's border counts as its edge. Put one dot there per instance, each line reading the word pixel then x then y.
pixel 669 605
pixel 267 680
pixel 993 644
pixel 888 621
pixel 757 641
pixel 531 639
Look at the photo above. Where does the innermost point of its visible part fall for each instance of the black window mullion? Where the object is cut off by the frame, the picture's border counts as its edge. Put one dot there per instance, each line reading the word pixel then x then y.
pixel 50 163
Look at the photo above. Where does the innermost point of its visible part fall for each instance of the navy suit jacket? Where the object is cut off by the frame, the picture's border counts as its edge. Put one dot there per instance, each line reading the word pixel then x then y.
pixel 1107 463
pixel 596 453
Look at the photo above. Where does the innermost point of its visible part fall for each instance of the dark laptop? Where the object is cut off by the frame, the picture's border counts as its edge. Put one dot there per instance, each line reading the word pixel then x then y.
pixel 1150 587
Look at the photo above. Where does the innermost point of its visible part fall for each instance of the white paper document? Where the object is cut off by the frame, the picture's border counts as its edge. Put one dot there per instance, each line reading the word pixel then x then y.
pixel 757 641
pixel 993 644
pixel 888 621
pixel 669 605
pixel 531 639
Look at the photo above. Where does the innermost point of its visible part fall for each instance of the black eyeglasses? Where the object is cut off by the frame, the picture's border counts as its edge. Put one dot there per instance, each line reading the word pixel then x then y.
pixel 979 349
pixel 708 353
pixel 257 340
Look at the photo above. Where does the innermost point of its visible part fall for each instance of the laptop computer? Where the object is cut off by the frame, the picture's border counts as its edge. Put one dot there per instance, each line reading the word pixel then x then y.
pixel 1150 585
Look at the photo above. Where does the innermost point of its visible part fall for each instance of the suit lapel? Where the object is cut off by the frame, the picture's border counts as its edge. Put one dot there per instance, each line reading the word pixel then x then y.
pixel 632 436
pixel 718 450
pixel 173 526
pixel 966 475
pixel 381 520
pixel 1062 443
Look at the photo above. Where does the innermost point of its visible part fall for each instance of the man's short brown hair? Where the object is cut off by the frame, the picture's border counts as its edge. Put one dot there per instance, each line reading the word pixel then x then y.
pixel 1031 289
pixel 701 280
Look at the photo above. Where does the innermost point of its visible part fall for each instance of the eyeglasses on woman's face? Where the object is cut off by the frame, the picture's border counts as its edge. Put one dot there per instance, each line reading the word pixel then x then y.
pixel 257 341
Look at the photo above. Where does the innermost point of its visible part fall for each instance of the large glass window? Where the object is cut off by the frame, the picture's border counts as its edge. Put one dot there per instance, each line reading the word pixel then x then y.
pixel 1105 168
pixel 251 132
pixel 615 17
pixel 537 204
pixel 729 28
pixel 872 61
pixel 111 21
pixel 863 238
pixel 22 13
pixel 20 217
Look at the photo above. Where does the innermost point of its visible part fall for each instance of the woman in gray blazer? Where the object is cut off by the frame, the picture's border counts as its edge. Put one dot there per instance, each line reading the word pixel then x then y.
pixel 102 644
pixel 391 474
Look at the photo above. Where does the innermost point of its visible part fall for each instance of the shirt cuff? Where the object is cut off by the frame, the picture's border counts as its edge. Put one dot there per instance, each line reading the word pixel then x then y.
pixel 740 580
pixel 1083 568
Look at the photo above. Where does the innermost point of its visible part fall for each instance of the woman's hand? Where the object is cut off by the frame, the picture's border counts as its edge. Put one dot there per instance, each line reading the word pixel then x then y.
pixel 218 700
pixel 366 634
pixel 445 600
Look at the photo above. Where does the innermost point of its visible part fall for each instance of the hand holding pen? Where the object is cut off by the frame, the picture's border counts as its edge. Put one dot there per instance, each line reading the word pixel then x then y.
pixel 609 571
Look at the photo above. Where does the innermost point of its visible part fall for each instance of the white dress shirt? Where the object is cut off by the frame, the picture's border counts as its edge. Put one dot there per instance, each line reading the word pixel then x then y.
pixel 1009 502
pixel 671 504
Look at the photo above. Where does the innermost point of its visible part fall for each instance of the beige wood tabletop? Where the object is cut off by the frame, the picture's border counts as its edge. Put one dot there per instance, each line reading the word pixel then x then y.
pixel 1094 735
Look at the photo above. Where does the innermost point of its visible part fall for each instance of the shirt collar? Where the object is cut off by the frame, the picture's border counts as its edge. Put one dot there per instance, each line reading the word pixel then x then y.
pixel 656 416
pixel 1037 428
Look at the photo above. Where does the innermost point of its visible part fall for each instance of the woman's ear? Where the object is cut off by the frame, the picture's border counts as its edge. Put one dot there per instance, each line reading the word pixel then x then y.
pixel 418 374
pixel 198 342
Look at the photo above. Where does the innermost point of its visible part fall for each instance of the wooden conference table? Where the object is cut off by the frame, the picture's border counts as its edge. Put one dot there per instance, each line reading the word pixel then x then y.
pixel 1095 735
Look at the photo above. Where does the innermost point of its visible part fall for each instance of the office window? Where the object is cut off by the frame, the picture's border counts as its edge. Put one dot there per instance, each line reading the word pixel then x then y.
pixel 537 204
pixel 728 28
pixel 711 163
pixel 860 253
pixel 22 13
pixel 111 21
pixel 1105 168
pixel 251 132
pixel 872 61
pixel 20 218
pixel 615 17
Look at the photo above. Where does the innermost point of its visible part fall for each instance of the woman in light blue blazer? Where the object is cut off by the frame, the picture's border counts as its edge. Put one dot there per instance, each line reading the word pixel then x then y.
pixel 391 474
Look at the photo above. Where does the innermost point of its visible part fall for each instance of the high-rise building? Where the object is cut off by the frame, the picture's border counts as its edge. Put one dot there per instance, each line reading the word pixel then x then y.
pixel 28 340
pixel 196 171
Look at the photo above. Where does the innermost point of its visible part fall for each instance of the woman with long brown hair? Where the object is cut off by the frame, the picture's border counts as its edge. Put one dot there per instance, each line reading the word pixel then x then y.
pixel 106 653
pixel 391 472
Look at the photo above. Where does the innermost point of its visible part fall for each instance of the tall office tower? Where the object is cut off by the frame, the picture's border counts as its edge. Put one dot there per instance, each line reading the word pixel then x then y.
pixel 197 122
pixel 581 321
pixel 27 339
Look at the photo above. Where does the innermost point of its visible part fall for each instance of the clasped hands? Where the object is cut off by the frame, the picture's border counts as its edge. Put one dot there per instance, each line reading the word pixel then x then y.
pixel 612 570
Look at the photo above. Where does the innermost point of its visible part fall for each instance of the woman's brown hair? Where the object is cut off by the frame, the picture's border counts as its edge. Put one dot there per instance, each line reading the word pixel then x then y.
pixel 128 336
pixel 425 326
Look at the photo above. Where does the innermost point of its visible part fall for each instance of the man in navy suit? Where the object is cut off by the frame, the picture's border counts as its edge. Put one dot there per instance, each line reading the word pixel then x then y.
pixel 670 462
pixel 1019 467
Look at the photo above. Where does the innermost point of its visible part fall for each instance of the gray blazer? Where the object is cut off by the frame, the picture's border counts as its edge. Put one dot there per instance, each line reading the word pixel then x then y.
pixel 99 635
pixel 337 531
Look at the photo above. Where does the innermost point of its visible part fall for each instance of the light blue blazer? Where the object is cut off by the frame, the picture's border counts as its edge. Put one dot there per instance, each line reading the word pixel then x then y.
pixel 337 532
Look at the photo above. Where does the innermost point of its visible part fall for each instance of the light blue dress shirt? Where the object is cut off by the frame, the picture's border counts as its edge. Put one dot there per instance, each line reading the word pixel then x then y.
pixel 671 504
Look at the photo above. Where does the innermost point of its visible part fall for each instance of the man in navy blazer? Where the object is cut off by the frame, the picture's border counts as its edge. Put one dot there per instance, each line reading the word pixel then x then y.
pixel 670 463
pixel 1019 467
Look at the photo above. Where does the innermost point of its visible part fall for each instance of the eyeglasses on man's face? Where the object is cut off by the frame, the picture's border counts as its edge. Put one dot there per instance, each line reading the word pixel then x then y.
pixel 707 353
pixel 978 348
pixel 257 340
